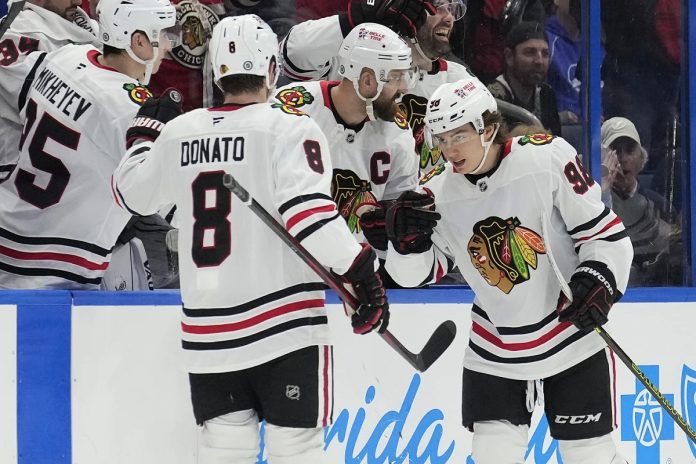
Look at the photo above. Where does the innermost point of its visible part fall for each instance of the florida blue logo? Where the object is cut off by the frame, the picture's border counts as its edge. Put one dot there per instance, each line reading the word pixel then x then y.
pixel 688 400
pixel 644 421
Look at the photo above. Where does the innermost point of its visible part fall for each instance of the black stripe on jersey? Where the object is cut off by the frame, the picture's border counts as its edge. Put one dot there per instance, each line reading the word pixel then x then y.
pixel 521 330
pixel 590 224
pixel 611 238
pixel 39 271
pixel 268 298
pixel 22 100
pixel 140 150
pixel 92 248
pixel 287 62
pixel 123 202
pixel 237 342
pixel 301 199
pixel 525 359
pixel 309 230
pixel 7 167
pixel 345 25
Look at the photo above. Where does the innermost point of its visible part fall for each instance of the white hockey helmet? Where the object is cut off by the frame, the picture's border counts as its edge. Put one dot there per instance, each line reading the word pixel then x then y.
pixel 456 104
pixel 375 47
pixel 244 45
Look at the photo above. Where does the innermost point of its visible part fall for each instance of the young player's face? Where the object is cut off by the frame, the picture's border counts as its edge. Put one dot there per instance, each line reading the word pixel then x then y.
pixel 63 8
pixel 461 147
pixel 529 61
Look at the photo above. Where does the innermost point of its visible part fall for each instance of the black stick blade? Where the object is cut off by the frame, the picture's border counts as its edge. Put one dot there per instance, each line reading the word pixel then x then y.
pixel 439 341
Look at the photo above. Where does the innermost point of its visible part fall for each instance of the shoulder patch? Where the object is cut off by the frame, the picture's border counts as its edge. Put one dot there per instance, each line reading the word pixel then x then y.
pixel 536 139
pixel 137 93
pixel 296 97
pixel 437 170
pixel 289 109
pixel 400 120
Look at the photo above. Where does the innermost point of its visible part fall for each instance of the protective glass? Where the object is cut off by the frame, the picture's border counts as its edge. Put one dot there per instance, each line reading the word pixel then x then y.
pixel 402 78
pixel 443 141
pixel 457 8
pixel 171 34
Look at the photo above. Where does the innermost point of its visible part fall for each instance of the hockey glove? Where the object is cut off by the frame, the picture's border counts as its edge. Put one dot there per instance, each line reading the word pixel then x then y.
pixel 403 16
pixel 594 292
pixel 410 222
pixel 153 115
pixel 373 312
pixel 373 226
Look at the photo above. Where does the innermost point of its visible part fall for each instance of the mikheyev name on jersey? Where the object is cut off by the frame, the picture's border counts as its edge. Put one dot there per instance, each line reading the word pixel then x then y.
pixel 212 150
pixel 60 94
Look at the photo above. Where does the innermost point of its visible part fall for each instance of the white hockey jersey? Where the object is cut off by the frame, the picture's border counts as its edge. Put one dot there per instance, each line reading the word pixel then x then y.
pixel 371 162
pixel 247 297
pixel 33 29
pixel 308 53
pixel 493 229
pixel 58 220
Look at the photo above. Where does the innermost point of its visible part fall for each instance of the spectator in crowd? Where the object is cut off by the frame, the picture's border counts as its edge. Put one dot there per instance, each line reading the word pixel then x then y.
pixel 309 49
pixel 522 83
pixel 563 35
pixel 643 211
pixel 44 25
pixel 487 23
pixel 57 212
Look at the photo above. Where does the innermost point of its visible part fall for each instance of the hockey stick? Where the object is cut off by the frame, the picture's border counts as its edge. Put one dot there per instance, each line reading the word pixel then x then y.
pixel 15 8
pixel 438 342
pixel 637 372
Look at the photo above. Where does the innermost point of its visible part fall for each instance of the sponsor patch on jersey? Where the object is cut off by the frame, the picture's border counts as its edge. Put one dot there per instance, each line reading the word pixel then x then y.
pixel 503 251
pixel 289 109
pixel 400 120
pixel 351 193
pixel 137 93
pixel 197 21
pixel 295 97
pixel 437 170
pixel 536 139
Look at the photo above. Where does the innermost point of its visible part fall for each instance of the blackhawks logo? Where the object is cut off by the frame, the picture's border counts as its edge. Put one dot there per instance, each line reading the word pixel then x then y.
pixel 295 97
pixel 439 169
pixel 137 93
pixel 503 251
pixel 197 21
pixel 350 193
pixel 400 120
pixel 536 139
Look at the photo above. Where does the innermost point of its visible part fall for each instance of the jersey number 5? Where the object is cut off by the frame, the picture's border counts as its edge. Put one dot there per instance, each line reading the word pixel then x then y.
pixel 212 204
pixel 578 176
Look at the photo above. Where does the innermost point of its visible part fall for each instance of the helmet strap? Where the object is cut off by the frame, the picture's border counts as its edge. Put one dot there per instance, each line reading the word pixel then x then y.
pixel 420 51
pixel 148 63
pixel 368 101
pixel 486 149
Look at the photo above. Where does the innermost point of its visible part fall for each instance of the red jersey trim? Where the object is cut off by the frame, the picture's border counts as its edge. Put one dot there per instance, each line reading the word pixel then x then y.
pixel 92 56
pixel 494 340
pixel 305 214
pixel 53 256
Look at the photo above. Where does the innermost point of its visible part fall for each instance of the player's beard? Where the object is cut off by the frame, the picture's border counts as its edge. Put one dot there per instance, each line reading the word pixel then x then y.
pixel 386 108
pixel 431 46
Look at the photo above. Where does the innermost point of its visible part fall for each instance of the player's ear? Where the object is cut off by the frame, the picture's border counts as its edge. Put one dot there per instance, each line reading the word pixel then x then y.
pixel 367 83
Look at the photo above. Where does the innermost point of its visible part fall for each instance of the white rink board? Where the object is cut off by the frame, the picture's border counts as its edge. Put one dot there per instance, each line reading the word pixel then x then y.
pixel 130 400
pixel 8 384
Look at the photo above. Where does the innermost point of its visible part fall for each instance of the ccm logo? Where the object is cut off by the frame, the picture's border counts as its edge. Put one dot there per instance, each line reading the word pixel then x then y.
pixel 578 419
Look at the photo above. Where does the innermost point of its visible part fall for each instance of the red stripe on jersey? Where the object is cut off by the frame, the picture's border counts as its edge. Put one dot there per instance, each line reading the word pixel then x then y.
pixel 306 213
pixel 252 321
pixel 489 337
pixel 327 360
pixel 52 256
pixel 440 272
pixel 443 64
pixel 616 221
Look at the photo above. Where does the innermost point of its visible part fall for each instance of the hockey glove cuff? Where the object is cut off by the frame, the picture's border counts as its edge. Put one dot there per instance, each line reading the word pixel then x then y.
pixel 374 228
pixel 410 222
pixel 402 16
pixel 153 115
pixel 373 312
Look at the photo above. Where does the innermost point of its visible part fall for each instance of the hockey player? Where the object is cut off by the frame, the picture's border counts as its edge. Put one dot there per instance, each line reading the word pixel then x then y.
pixel 506 209
pixel 58 222
pixel 44 25
pixel 309 48
pixel 370 144
pixel 254 325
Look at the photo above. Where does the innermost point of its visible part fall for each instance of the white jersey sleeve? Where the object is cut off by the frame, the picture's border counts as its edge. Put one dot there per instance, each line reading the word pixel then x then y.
pixel 309 48
pixel 597 232
pixel 404 167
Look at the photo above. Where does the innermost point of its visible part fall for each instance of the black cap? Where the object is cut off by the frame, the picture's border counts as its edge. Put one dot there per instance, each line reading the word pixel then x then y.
pixel 524 31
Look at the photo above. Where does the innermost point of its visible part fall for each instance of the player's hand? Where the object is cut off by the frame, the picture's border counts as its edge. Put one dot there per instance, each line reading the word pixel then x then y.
pixel 373 226
pixel 410 222
pixel 403 16
pixel 366 283
pixel 153 115
pixel 593 288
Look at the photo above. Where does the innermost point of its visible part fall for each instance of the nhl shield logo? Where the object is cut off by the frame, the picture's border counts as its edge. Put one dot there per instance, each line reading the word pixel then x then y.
pixel 292 392
pixel 688 383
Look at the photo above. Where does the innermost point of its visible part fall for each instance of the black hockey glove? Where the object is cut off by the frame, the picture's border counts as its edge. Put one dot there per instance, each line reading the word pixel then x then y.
pixel 410 222
pixel 594 292
pixel 403 16
pixel 153 115
pixel 373 226
pixel 373 312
